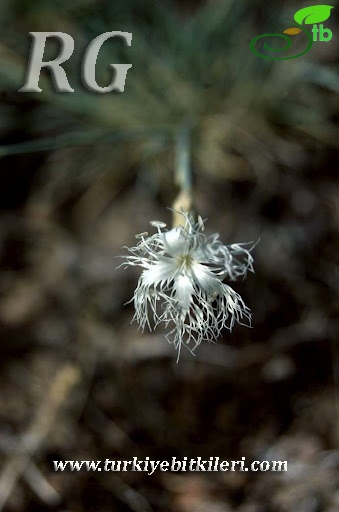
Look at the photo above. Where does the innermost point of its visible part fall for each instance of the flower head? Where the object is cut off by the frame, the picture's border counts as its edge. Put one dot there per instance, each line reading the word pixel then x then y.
pixel 182 286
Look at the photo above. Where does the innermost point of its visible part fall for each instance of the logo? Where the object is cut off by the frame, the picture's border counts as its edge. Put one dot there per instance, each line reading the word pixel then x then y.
pixel 308 16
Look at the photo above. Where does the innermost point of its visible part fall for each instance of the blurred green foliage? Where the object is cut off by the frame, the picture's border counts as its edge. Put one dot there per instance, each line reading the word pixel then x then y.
pixel 188 65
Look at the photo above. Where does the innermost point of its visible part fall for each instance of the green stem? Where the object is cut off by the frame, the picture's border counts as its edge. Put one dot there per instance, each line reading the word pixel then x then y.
pixel 183 169
pixel 183 175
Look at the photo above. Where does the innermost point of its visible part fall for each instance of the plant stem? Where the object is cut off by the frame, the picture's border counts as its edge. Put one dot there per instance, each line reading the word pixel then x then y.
pixel 183 175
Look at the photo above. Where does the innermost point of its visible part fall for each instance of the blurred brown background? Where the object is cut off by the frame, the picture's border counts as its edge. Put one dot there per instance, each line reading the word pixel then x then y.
pixel 82 173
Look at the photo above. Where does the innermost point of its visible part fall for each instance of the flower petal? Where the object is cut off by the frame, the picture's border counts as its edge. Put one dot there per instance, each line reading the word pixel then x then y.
pixel 175 243
pixel 205 278
pixel 183 287
pixel 158 271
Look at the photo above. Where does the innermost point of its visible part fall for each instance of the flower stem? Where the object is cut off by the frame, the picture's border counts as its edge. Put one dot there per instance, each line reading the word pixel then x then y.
pixel 183 175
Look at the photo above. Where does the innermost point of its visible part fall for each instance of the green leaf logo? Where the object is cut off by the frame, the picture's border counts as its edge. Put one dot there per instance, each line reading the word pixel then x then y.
pixel 313 14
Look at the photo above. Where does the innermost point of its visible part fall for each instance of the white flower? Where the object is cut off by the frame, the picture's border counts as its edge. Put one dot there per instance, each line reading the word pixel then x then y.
pixel 182 282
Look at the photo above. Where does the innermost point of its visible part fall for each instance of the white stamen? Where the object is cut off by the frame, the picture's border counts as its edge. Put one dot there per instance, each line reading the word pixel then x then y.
pixel 158 224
